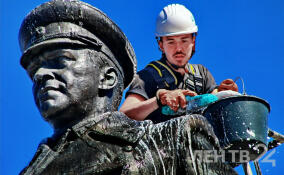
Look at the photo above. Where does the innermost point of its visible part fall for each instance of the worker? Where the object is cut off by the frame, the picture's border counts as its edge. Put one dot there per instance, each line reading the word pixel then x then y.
pixel 167 81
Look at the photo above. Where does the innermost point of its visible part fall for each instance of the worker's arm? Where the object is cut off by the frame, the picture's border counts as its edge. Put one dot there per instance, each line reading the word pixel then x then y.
pixel 137 107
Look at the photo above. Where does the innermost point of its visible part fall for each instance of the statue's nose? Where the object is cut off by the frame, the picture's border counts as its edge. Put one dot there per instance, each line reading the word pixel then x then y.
pixel 43 74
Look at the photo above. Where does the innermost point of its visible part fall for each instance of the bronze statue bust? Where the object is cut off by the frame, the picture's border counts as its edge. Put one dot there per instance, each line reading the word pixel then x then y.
pixel 80 62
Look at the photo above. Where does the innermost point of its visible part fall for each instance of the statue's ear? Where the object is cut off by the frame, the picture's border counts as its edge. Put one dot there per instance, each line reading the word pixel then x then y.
pixel 108 78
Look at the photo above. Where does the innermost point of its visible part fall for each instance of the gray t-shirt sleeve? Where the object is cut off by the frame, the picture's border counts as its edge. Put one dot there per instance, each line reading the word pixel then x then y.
pixel 143 84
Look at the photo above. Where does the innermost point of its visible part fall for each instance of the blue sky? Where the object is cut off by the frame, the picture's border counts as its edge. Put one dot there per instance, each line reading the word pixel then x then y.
pixel 236 38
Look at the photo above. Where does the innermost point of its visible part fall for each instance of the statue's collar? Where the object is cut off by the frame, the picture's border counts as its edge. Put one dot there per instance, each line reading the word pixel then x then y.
pixel 112 125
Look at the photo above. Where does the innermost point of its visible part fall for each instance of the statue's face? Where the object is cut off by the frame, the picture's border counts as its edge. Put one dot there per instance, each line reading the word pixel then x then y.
pixel 65 82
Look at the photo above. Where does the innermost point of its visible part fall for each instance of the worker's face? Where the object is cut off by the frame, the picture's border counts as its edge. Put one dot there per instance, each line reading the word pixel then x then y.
pixel 65 81
pixel 178 49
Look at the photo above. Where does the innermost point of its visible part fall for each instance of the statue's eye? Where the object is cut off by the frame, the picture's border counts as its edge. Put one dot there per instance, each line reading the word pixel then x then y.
pixel 59 62
pixel 32 68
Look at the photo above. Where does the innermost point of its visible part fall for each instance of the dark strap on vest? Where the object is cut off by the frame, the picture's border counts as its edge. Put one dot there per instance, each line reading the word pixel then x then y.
pixel 194 79
pixel 166 79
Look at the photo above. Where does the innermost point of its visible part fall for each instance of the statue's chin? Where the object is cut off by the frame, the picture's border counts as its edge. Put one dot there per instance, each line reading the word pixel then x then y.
pixel 50 109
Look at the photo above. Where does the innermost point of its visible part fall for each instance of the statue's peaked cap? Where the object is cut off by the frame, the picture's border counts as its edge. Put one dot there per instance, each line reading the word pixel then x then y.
pixel 83 16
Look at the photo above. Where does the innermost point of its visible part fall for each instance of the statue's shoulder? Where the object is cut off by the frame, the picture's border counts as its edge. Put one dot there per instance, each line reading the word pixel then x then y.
pixel 42 158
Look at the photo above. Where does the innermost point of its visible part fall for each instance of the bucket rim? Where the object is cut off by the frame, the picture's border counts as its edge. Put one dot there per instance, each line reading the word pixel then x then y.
pixel 241 97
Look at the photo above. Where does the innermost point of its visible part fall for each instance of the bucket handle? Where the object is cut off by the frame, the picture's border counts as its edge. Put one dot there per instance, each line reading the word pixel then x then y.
pixel 243 84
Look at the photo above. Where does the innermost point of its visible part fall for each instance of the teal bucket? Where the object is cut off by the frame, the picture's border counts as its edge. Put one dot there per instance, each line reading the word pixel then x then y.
pixel 240 123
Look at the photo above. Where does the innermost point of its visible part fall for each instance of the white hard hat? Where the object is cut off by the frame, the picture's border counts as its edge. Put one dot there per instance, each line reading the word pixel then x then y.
pixel 175 19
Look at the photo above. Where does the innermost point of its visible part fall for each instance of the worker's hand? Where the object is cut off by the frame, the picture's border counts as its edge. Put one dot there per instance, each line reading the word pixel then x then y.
pixel 174 98
pixel 228 84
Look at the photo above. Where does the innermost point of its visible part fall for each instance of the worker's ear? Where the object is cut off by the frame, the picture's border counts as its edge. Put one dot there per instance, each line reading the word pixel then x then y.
pixel 160 43
pixel 108 78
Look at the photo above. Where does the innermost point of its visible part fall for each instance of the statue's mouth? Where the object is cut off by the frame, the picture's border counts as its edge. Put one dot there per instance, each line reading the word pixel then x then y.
pixel 46 89
pixel 47 92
